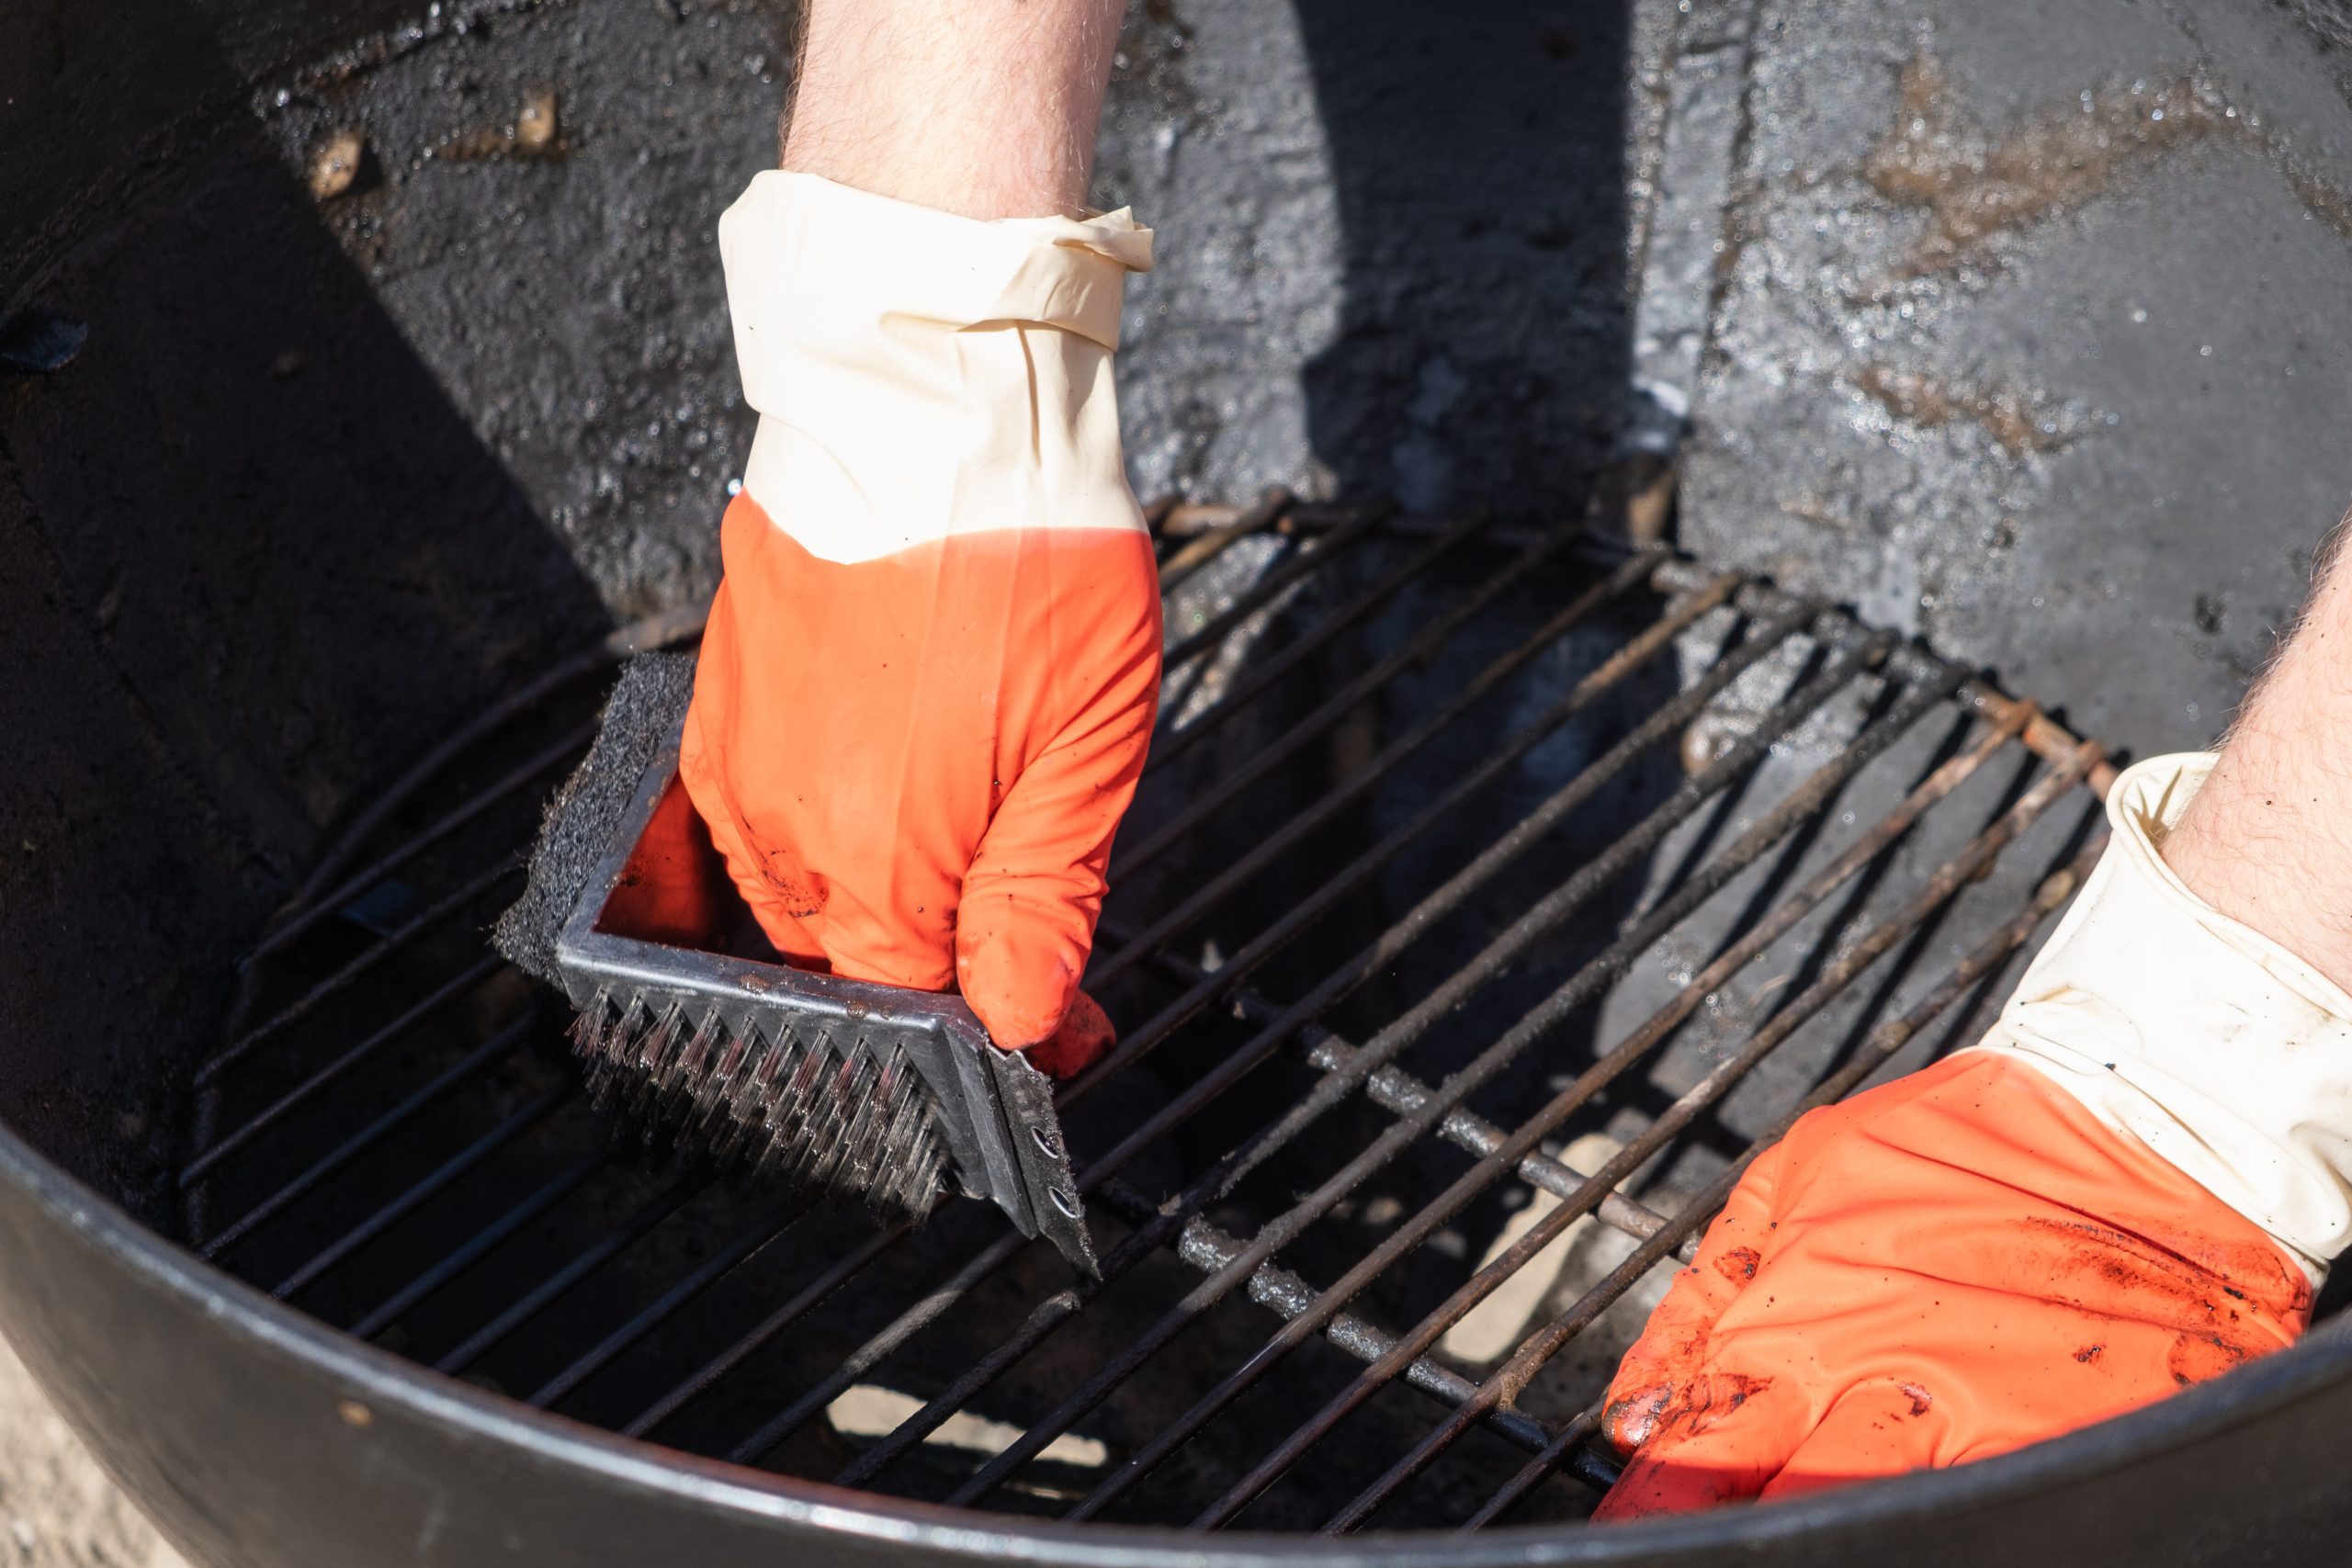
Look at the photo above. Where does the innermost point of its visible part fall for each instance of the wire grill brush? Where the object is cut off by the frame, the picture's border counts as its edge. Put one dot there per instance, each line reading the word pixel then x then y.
pixel 703 1043
pixel 788 1110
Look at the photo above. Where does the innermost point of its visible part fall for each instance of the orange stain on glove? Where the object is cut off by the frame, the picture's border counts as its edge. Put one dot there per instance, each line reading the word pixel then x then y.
pixel 1949 1267
pixel 913 765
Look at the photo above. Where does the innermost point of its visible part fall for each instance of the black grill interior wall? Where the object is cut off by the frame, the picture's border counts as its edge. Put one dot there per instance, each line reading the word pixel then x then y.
pixel 250 554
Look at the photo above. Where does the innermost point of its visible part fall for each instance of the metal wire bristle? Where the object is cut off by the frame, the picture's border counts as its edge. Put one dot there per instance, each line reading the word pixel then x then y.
pixel 792 1111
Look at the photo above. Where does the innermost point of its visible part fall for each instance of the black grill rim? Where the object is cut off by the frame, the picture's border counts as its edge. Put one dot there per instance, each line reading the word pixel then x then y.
pixel 154 1302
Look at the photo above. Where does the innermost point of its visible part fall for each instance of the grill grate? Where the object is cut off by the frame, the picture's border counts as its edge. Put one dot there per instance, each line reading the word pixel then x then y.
pixel 1493 898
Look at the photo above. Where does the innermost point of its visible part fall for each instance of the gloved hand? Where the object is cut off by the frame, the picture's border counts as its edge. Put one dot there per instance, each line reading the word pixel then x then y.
pixel 931 673
pixel 2133 1183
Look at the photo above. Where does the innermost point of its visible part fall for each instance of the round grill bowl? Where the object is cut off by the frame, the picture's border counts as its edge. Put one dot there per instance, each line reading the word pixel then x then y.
pixel 254 1436
pixel 253 557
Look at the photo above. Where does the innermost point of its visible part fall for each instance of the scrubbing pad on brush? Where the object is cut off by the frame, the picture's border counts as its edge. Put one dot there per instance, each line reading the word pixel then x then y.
pixel 695 1033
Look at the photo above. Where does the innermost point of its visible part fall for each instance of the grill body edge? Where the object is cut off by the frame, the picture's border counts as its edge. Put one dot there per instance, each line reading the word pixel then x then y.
pixel 254 1437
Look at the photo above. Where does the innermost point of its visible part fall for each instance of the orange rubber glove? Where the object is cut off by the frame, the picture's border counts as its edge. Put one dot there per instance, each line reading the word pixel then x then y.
pixel 1890 1288
pixel 931 673
pixel 2133 1184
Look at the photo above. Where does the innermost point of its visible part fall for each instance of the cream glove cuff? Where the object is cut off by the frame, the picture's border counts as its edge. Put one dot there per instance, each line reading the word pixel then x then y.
pixel 2208 1042
pixel 919 374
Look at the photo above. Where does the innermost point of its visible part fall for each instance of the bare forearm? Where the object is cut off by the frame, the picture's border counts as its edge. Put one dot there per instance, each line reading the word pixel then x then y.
pixel 2268 840
pixel 984 107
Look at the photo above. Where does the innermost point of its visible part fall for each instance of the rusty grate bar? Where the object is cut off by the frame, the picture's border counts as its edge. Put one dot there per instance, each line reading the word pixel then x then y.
pixel 647 1296
pixel 1399 750
pixel 1289 1296
pixel 1196 554
pixel 1402 1094
pixel 1232 785
pixel 1346 617
pixel 1320 556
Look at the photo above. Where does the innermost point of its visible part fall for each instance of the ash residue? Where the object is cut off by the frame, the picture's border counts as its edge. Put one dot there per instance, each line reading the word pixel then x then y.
pixel 2018 350
pixel 1929 401
pixel 1974 185
pixel 543 231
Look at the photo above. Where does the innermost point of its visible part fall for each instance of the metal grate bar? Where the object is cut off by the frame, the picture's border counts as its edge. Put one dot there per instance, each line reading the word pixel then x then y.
pixel 1186 521
pixel 1433 636
pixel 276 1110
pixel 1208 1250
pixel 668 1201
pixel 384 947
pixel 1167 747
pixel 1391 1039
pixel 905 1326
pixel 662 629
pixel 899 1330
pixel 2043 735
pixel 745 1245
pixel 1400 1093
pixel 1425 914
pixel 480 1245
pixel 1314 555
pixel 446 1175
pixel 1536 1471
pixel 1981 964
pixel 506 1042
pixel 1277 1289
pixel 1742 879
pixel 661 1411
pixel 714 1372
pixel 1194 555
pixel 1222 1178
pixel 1397 1091
pixel 564 751
pixel 1408 1098
pixel 1396 752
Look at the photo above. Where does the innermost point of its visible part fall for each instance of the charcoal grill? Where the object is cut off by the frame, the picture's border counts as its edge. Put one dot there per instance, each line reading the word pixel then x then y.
pixel 390 1138
pixel 1496 894
pixel 1466 848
